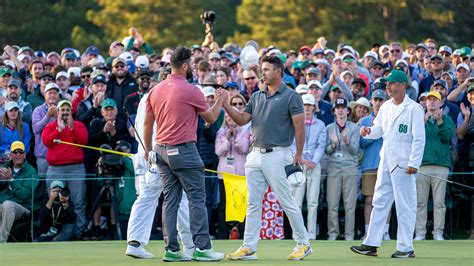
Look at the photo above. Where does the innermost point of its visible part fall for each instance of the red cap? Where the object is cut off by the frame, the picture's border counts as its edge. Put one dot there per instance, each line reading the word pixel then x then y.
pixel 305 48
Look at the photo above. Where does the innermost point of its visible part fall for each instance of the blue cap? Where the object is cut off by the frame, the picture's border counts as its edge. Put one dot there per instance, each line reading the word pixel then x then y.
pixel 70 55
pixel 92 50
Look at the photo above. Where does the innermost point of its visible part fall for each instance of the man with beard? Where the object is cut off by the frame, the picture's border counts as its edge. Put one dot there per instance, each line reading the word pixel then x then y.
pixel 175 105
pixel 133 99
pixel 120 84
pixel 14 95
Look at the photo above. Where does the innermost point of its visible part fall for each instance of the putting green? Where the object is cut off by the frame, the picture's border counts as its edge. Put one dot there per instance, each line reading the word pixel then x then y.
pixel 452 252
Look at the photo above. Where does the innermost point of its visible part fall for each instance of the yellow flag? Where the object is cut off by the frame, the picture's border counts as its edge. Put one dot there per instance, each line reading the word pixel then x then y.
pixel 235 196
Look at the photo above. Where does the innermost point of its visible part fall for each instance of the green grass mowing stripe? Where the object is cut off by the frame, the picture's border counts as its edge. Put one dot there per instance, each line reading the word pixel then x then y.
pixel 456 252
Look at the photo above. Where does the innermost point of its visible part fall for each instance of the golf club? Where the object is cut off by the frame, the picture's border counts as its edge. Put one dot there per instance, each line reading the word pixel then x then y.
pixel 133 125
pixel 435 177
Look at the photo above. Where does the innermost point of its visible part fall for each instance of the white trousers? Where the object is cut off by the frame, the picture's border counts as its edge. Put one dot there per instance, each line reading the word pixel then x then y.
pixel 310 189
pixel 143 211
pixel 400 187
pixel 266 169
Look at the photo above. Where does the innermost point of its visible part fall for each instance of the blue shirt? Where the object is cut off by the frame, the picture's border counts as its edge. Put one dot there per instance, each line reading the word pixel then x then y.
pixel 371 147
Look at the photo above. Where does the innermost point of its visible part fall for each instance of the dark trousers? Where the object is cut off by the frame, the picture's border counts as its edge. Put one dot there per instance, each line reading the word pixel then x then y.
pixel 181 168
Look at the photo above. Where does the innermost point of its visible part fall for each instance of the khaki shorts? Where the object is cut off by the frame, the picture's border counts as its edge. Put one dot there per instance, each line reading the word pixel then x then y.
pixel 368 182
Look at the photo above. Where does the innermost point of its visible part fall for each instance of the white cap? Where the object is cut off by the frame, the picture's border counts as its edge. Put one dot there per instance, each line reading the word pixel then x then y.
pixel 401 61
pixel 23 56
pixel 10 63
pixel 296 179
pixel 308 99
pixel 76 71
pixel 62 74
pixel 208 91
pixel 51 86
pixel 329 51
pixel 406 55
pixel 347 55
pixel 315 82
pixel 345 73
pixel 382 47
pixel 126 56
pixel 302 88
pixel 371 54
pixel 463 65
pixel 142 61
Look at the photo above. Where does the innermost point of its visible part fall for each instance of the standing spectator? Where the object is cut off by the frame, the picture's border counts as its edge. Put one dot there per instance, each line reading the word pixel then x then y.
pixel 465 132
pixel 359 109
pixel 437 65
pixel 67 161
pixel 447 107
pixel 37 98
pixel 62 80
pixel 313 150
pixel 371 160
pixel 42 115
pixel 439 131
pixel 232 146
pixel 14 92
pixel 89 108
pixel 342 148
pixel 250 83
pixel 19 180
pixel 120 84
pixel 13 128
pixel 322 107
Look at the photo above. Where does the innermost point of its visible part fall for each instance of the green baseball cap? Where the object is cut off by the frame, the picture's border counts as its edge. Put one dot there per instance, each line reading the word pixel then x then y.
pixel 465 51
pixel 4 71
pixel 470 88
pixel 297 65
pixel 109 102
pixel 396 76
pixel 306 63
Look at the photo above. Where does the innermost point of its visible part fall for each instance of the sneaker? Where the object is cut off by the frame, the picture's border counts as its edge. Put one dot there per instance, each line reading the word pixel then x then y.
pixel 401 254
pixel 332 238
pixel 386 236
pixel 438 237
pixel 243 253
pixel 365 250
pixel 138 252
pixel 207 255
pixel 419 238
pixel 300 252
pixel 174 256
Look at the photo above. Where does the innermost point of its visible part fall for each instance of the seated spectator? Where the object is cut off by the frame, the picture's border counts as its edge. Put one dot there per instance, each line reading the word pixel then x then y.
pixel 67 161
pixel 18 181
pixel 57 217
pixel 342 148
pixel 13 128
pixel 313 151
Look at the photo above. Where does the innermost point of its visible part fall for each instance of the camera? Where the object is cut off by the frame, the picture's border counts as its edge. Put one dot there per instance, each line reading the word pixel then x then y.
pixel 208 18
pixel 110 165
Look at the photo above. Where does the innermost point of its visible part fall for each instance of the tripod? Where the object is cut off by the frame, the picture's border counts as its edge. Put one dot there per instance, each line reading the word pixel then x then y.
pixel 106 190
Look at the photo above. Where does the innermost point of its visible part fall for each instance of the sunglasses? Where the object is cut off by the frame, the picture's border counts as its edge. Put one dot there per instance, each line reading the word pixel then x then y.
pixel 250 78
pixel 119 66
pixel 18 152
pixel 218 87
pixel 238 104
pixel 305 53
pixel 395 51
pixel 431 47
pixel 348 60
pixel 85 76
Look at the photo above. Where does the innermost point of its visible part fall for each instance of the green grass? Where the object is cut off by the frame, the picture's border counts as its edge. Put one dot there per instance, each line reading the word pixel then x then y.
pixel 454 252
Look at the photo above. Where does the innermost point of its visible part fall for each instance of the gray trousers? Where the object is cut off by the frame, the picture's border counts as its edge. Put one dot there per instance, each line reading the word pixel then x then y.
pixel 181 168
pixel 42 166
pixel 10 211
pixel 73 177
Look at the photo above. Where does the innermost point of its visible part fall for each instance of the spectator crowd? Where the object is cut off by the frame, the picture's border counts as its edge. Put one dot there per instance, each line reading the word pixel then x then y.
pixel 92 98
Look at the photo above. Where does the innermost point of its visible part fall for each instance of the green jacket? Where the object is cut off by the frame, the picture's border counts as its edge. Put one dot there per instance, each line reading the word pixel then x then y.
pixel 438 141
pixel 23 187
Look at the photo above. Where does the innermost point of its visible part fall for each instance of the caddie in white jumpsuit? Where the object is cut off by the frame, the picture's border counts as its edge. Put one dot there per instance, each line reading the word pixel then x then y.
pixel 149 189
pixel 400 123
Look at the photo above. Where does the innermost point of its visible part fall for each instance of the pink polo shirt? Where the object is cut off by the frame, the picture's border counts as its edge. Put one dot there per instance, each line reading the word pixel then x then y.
pixel 176 105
